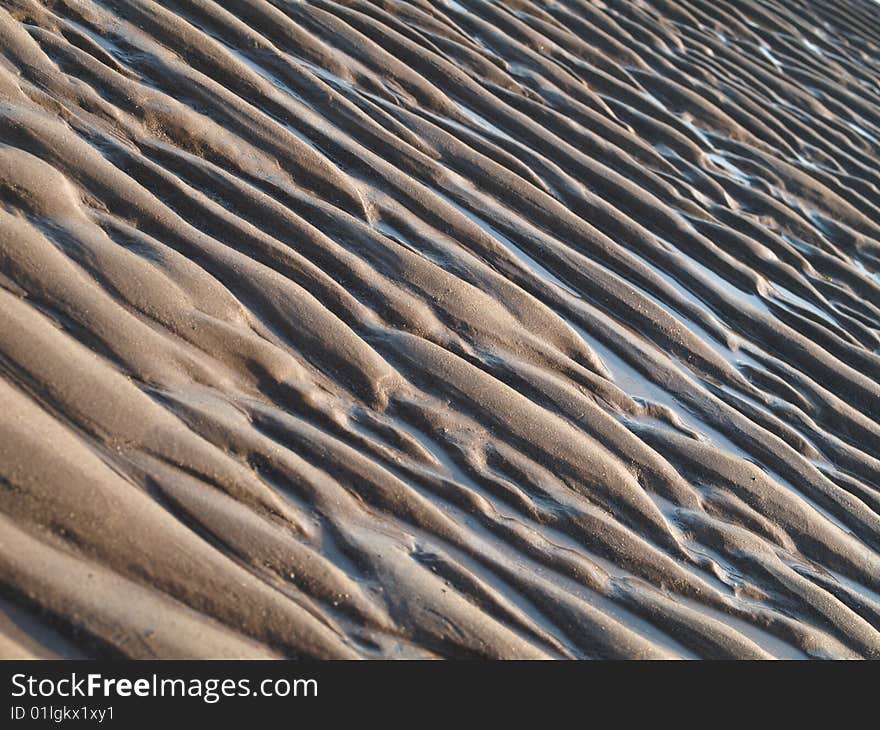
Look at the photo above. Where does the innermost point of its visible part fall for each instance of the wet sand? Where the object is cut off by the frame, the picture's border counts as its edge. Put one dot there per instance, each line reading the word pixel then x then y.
pixel 503 329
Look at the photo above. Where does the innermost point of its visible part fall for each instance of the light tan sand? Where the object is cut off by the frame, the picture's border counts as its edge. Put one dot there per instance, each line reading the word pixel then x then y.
pixel 366 328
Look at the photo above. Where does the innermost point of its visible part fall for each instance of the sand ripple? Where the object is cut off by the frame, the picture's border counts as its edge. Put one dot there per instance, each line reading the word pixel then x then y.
pixel 495 328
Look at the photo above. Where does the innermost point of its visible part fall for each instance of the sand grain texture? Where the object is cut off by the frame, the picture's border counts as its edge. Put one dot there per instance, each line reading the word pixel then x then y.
pixel 503 329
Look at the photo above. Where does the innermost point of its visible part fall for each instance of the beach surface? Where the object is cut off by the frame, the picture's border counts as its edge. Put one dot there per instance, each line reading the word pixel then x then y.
pixel 440 329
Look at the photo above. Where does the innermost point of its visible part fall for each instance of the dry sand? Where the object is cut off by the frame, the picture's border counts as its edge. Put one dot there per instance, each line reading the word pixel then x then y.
pixel 371 328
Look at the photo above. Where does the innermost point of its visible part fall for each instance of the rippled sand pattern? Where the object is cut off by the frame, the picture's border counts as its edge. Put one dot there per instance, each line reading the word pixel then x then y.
pixel 371 328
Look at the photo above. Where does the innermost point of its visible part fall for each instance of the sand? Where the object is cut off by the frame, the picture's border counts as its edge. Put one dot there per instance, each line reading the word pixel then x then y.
pixel 384 329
